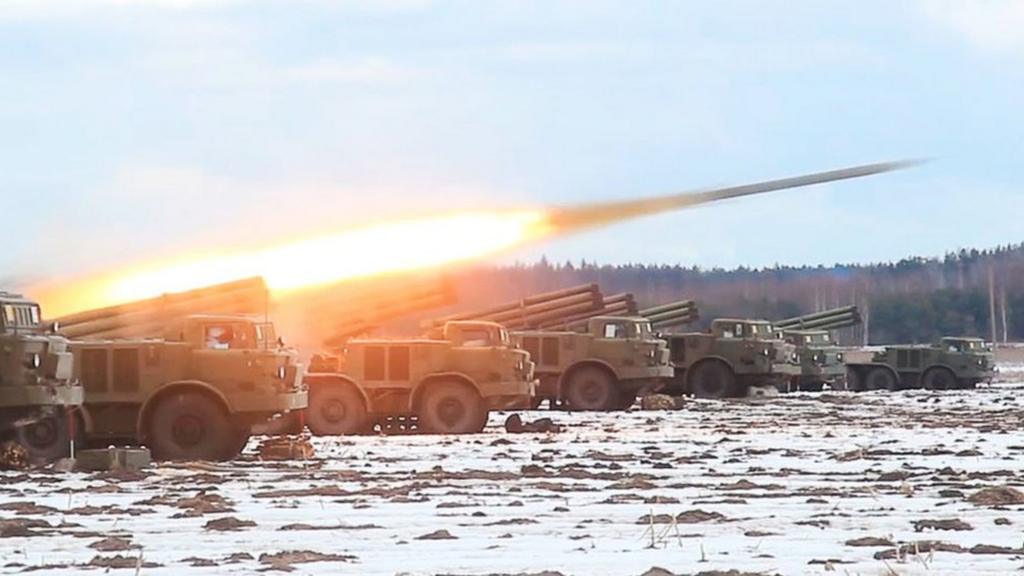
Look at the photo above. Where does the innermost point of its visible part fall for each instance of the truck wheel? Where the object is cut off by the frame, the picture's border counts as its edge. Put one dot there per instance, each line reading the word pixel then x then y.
pixel 336 409
pixel 626 401
pixel 451 408
pixel 939 379
pixel 190 426
pixel 853 381
pixel 45 440
pixel 712 380
pixel 882 379
pixel 591 388
pixel 239 439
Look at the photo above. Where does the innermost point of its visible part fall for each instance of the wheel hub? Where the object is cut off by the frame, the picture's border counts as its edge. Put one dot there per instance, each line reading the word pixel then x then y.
pixel 333 411
pixel 42 434
pixel 591 392
pixel 450 411
pixel 187 431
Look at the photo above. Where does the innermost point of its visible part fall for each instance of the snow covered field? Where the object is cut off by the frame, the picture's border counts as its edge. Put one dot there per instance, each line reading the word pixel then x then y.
pixel 797 484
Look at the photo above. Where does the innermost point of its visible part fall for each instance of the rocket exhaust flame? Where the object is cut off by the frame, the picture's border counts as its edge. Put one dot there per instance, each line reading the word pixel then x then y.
pixel 398 246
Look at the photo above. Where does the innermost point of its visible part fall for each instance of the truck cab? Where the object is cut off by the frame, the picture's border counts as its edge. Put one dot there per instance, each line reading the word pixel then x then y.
pixel 821 361
pixel 36 380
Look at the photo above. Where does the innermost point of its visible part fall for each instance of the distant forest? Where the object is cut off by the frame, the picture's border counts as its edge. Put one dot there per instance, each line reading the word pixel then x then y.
pixel 914 300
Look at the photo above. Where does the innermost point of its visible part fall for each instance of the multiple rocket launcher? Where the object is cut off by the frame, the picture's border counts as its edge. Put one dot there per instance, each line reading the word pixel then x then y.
pixel 343 314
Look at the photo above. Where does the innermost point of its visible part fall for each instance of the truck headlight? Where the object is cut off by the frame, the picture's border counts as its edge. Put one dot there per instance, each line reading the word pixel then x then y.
pixel 281 372
pixel 839 356
pixel 981 362
pixel 33 361
pixel 766 352
pixel 815 358
pixel 794 357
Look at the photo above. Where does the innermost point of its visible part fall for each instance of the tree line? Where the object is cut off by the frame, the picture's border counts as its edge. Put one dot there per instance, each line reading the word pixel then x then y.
pixel 914 300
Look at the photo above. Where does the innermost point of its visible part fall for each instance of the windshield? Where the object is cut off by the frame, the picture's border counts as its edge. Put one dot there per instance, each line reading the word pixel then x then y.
pixel 764 330
pixel 817 339
pixel 505 338
pixel 20 315
pixel 476 336
pixel 643 330
pixel 965 345
pixel 230 336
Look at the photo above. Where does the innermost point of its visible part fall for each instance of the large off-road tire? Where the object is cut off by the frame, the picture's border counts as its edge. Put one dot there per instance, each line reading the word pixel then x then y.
pixel 336 408
pixel 239 439
pixel 882 379
pixel 712 380
pixel 811 386
pixel 190 426
pixel 854 382
pixel 591 388
pixel 46 439
pixel 939 379
pixel 451 408
pixel 626 401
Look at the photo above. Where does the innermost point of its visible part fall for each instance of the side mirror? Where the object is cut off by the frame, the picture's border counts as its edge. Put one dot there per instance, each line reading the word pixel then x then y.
pixel 55 327
pixel 280 342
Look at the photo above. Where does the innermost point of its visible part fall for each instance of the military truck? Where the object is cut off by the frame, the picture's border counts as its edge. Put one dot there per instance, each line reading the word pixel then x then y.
pixel 193 394
pixel 603 368
pixel 953 363
pixel 37 387
pixel 821 361
pixel 734 355
pixel 444 384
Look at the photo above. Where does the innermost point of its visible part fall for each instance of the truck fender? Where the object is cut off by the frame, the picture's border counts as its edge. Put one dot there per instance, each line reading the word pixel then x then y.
pixel 938 365
pixel 176 386
pixel 590 362
pixel 863 368
pixel 414 398
pixel 705 360
pixel 328 379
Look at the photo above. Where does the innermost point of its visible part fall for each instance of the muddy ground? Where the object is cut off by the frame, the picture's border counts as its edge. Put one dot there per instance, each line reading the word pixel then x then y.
pixel 871 483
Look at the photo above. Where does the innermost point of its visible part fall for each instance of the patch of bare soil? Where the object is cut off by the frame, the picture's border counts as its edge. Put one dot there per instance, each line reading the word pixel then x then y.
pixel 438 535
pixel 300 526
pixel 997 496
pixel 22 527
pixel 228 524
pixel 112 544
pixel 287 558
pixel 203 503
pixel 694 516
pixel 870 541
pixel 948 524
pixel 120 562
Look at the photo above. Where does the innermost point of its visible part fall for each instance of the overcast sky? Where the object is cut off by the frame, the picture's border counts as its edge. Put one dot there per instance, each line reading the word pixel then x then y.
pixel 138 129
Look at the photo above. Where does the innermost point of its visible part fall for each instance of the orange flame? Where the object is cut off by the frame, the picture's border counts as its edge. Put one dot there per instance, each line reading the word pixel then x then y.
pixel 388 247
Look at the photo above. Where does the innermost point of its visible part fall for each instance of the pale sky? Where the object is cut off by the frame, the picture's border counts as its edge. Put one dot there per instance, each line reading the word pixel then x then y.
pixel 144 129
